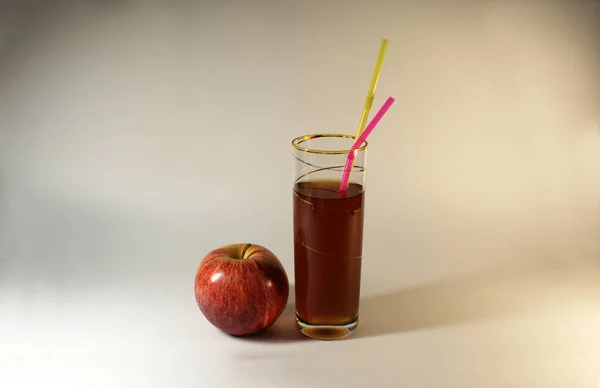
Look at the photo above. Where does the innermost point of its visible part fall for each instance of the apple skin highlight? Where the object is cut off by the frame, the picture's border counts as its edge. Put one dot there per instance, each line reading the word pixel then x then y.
pixel 241 289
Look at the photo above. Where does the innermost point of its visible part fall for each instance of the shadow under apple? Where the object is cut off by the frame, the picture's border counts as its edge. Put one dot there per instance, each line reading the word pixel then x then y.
pixel 284 329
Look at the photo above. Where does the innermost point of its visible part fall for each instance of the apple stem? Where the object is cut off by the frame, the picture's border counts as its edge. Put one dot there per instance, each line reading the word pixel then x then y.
pixel 245 249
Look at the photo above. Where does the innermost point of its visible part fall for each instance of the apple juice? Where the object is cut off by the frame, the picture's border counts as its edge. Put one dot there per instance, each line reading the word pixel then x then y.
pixel 328 229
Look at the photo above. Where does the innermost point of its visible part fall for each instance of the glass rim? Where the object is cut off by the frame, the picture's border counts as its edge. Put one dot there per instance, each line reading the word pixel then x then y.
pixel 300 139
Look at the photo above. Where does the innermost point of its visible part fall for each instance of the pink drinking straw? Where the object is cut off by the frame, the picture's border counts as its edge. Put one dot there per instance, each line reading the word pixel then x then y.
pixel 361 139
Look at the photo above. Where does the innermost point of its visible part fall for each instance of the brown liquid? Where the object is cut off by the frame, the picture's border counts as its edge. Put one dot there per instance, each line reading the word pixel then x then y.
pixel 328 229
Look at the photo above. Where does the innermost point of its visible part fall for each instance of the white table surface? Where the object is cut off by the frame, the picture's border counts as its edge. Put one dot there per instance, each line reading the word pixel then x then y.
pixel 501 329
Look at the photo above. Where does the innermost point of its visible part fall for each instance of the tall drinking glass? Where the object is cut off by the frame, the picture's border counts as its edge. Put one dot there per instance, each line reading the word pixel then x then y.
pixel 328 234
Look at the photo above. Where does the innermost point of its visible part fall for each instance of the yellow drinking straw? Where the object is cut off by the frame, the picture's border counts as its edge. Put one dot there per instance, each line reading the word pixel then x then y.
pixel 368 102
pixel 371 94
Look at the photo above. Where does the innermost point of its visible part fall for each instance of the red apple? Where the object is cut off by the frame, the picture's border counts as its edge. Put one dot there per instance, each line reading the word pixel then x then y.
pixel 241 288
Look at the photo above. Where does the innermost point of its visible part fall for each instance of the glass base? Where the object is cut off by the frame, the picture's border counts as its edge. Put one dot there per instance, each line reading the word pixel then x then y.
pixel 326 332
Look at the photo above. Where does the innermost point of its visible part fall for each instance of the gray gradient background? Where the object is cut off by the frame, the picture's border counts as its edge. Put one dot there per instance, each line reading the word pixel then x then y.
pixel 135 136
